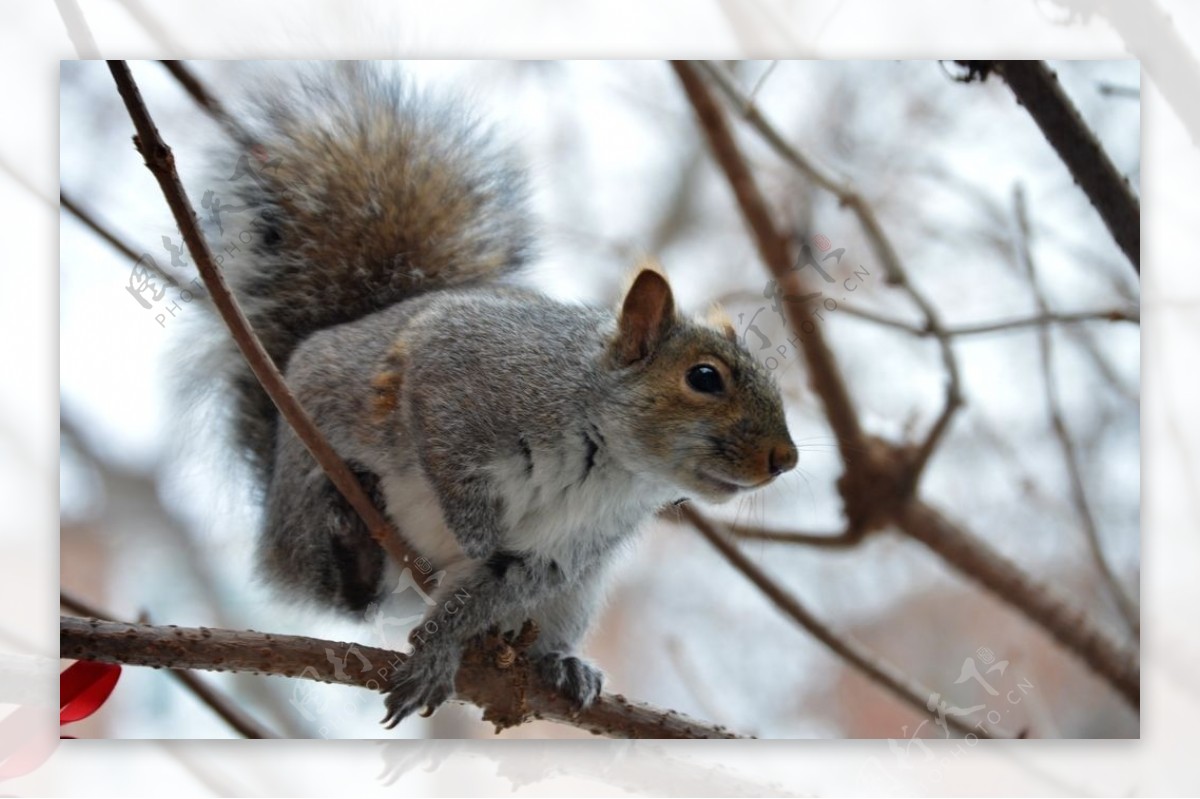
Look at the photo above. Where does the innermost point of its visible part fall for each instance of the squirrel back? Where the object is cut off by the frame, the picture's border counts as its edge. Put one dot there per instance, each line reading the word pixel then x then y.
pixel 353 192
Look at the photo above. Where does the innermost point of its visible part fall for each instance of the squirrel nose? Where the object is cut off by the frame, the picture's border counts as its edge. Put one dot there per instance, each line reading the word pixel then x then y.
pixel 781 458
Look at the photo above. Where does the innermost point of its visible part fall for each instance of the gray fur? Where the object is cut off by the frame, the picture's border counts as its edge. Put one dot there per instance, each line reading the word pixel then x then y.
pixel 497 428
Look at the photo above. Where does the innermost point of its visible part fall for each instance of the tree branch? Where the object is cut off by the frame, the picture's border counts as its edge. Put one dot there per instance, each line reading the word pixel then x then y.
pixel 877 486
pixel 161 163
pixel 205 99
pixel 1069 626
pixel 847 539
pixel 875 669
pixel 220 704
pixel 1037 88
pixel 879 242
pixel 1129 613
pixel 495 673
pixel 101 230
pixel 824 374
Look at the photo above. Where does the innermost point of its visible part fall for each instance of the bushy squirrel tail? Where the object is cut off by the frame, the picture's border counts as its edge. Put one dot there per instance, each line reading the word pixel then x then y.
pixel 353 192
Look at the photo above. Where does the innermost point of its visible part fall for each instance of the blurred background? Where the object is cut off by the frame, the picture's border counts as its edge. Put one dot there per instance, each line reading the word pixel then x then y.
pixel 155 521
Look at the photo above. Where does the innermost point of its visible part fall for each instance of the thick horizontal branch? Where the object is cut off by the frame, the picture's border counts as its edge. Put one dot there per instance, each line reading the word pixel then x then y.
pixel 220 704
pixel 494 674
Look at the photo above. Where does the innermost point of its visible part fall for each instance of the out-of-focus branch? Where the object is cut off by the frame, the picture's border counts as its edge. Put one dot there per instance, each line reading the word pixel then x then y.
pixel 877 487
pixel 219 703
pixel 874 669
pixel 843 540
pixel 114 241
pixel 847 196
pixel 999 326
pixel 161 162
pixel 1129 613
pixel 494 674
pixel 206 100
pixel 77 29
pixel 1071 627
pixel 1037 88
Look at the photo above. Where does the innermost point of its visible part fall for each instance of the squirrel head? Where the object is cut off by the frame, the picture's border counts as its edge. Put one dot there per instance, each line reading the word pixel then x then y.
pixel 703 413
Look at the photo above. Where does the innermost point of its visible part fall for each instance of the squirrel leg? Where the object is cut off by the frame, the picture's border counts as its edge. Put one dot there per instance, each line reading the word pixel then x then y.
pixel 504 585
pixel 313 540
pixel 562 622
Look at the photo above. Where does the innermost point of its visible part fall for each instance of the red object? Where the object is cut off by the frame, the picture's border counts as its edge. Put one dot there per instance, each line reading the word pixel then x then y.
pixel 83 687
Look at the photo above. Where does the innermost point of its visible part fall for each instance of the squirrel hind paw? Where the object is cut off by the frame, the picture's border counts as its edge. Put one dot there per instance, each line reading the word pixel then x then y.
pixel 574 678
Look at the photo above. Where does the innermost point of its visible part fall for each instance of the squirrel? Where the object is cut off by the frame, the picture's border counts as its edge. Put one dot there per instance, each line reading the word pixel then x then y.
pixel 513 440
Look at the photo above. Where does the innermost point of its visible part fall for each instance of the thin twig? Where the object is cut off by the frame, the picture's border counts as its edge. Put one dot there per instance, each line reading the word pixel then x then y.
pixel 1037 88
pixel 220 704
pixel 103 231
pixel 161 163
pixel 205 99
pixel 494 675
pixel 846 539
pixel 874 669
pixel 999 326
pixel 1129 613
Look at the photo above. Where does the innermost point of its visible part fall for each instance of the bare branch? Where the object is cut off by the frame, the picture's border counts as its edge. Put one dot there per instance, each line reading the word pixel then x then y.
pixel 102 230
pixel 846 539
pixel 205 99
pixel 880 244
pixel 999 326
pixel 874 669
pixel 161 163
pixel 1071 627
pixel 877 485
pixel 495 673
pixel 220 704
pixel 1037 88
pixel 1129 613
pixel 773 249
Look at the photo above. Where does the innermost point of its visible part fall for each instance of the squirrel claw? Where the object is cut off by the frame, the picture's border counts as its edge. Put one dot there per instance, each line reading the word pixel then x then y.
pixel 574 678
pixel 423 684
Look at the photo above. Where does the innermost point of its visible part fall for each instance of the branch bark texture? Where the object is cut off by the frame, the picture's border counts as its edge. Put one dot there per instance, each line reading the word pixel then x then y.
pixel 495 673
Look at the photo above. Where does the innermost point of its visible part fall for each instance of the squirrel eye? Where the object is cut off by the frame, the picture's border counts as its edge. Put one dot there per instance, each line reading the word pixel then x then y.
pixel 705 379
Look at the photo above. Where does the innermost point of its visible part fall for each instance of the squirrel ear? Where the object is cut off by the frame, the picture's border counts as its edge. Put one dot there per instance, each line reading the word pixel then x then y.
pixel 646 316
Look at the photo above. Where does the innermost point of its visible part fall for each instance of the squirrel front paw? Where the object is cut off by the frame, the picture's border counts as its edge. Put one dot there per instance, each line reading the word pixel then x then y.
pixel 425 680
pixel 574 678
